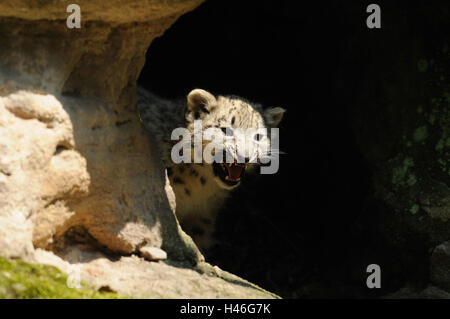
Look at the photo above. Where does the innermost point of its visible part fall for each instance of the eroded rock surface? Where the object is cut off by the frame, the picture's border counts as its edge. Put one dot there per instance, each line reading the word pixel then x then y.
pixel 39 168
pixel 440 266
pixel 81 182
pixel 134 276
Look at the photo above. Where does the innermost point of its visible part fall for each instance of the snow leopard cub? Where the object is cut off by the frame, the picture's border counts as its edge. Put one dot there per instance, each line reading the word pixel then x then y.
pixel 201 188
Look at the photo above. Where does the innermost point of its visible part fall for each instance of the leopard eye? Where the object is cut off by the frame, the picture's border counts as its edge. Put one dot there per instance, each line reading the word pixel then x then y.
pixel 227 131
pixel 258 137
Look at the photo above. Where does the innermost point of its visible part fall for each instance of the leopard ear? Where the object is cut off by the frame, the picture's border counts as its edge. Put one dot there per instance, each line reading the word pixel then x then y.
pixel 200 102
pixel 273 116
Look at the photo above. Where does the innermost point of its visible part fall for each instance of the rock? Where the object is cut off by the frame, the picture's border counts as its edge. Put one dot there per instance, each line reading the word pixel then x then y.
pixel 20 280
pixel 134 276
pixel 438 205
pixel 15 236
pixel 404 138
pixel 153 253
pixel 39 169
pixel 80 179
pixel 440 266
pixel 431 292
pixel 71 118
pixel 102 59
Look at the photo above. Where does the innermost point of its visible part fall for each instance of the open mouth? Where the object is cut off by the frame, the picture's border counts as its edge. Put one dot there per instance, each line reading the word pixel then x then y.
pixel 229 173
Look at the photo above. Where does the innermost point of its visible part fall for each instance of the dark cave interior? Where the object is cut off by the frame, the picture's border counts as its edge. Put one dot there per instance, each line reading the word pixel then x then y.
pixel 311 229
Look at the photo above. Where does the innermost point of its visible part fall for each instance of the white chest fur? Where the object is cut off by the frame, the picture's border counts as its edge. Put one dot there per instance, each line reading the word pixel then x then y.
pixel 197 193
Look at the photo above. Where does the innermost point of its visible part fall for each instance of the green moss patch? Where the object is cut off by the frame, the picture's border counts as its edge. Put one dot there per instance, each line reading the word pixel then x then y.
pixel 420 134
pixel 22 280
pixel 401 176
pixel 414 209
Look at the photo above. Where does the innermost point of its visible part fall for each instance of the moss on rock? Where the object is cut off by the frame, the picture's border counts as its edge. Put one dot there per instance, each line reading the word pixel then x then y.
pixel 19 279
pixel 400 176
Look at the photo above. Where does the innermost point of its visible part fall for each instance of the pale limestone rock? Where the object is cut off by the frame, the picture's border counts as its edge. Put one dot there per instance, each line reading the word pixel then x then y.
pixel 77 169
pixel 72 94
pixel 153 253
pixel 35 175
pixel 136 277
pixel 16 236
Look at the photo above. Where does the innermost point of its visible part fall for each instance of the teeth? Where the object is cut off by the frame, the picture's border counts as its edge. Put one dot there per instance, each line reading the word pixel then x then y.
pixel 228 179
pixel 225 167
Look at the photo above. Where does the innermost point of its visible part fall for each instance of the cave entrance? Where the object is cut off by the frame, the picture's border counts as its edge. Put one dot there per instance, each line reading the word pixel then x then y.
pixel 304 231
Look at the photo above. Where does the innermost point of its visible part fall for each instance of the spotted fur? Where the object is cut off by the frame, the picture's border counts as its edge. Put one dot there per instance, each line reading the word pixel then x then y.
pixel 198 190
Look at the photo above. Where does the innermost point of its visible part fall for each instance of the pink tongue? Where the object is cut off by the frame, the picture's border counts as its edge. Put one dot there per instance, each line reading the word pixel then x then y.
pixel 234 171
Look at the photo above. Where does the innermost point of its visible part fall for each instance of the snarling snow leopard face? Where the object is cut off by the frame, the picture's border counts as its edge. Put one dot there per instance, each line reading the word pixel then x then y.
pixel 238 131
